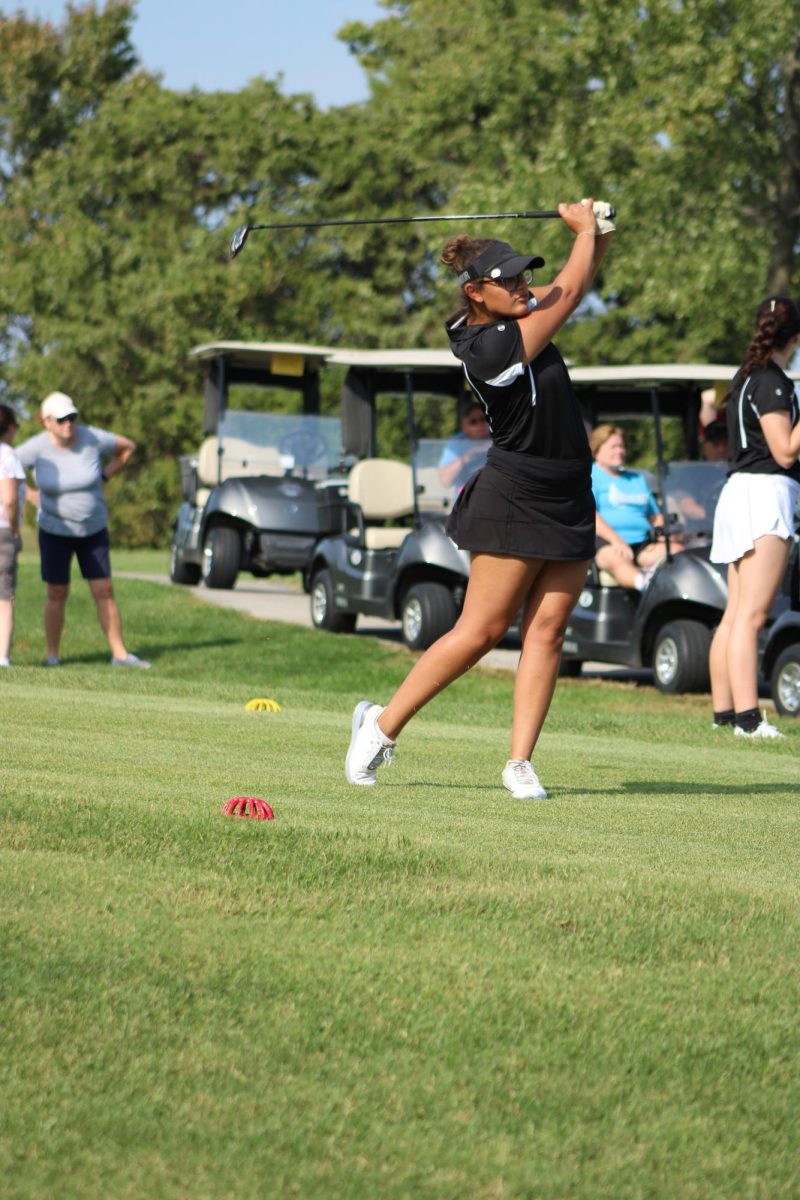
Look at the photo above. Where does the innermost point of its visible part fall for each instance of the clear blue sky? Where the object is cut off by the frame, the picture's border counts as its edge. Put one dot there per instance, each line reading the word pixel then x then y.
pixel 218 45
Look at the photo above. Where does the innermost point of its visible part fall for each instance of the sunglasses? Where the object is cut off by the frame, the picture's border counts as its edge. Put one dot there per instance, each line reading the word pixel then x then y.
pixel 68 417
pixel 513 283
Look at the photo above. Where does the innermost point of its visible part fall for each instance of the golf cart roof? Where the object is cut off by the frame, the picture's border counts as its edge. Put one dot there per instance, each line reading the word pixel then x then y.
pixel 291 365
pixel 648 375
pixel 396 360
pixel 261 354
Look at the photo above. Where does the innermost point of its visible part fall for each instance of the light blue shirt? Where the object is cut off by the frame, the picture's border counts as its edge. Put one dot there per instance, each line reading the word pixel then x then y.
pixel 457 445
pixel 625 502
pixel 69 479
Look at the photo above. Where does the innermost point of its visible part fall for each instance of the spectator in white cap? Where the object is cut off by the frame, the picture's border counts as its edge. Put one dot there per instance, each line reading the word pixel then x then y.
pixel 70 463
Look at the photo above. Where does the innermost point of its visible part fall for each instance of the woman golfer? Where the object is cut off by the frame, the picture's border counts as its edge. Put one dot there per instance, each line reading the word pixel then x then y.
pixel 754 519
pixel 528 516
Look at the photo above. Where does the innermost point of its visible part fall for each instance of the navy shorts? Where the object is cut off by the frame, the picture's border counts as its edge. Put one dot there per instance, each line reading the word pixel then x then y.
pixel 56 555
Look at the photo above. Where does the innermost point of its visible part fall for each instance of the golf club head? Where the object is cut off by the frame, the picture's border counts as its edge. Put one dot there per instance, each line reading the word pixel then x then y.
pixel 238 240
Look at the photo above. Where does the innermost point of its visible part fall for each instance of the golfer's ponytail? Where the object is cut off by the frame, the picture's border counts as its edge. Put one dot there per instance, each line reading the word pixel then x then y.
pixel 777 321
pixel 461 250
pixel 457 254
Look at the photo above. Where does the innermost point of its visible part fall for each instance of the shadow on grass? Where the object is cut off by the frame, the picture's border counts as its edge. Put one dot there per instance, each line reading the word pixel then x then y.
pixel 101 657
pixel 555 791
pixel 708 789
pixel 627 787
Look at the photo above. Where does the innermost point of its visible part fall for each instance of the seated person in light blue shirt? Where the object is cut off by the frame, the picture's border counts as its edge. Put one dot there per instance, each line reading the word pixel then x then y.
pixel 626 513
pixel 465 452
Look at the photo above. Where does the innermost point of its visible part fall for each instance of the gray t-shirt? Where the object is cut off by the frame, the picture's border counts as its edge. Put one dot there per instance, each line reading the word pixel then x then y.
pixel 69 480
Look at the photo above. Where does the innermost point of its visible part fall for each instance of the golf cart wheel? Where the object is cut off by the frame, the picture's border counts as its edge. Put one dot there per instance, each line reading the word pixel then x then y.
pixel 323 614
pixel 221 557
pixel 182 572
pixel 429 611
pixel 785 682
pixel 680 657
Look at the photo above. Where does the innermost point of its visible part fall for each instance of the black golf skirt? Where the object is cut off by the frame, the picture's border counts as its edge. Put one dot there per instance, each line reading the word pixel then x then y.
pixel 527 507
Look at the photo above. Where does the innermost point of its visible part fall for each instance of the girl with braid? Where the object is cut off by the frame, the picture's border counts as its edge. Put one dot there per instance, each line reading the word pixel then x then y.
pixel 528 516
pixel 754 520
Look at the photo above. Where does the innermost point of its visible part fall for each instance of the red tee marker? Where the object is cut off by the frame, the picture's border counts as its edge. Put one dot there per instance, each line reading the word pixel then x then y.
pixel 250 807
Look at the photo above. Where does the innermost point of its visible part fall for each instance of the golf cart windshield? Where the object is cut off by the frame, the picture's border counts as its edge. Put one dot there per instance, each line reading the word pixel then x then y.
pixel 691 491
pixel 430 456
pixel 279 444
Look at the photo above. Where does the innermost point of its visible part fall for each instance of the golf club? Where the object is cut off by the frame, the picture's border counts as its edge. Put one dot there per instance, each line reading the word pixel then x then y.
pixel 243 232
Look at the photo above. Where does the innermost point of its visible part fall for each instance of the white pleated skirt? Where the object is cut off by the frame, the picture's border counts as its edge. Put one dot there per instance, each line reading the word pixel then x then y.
pixel 749 507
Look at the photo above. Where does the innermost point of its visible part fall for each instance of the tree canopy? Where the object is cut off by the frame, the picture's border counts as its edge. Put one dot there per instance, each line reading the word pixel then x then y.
pixel 119 196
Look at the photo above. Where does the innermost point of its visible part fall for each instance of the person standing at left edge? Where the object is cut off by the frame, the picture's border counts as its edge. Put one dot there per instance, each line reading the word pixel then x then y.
pixel 528 516
pixel 70 463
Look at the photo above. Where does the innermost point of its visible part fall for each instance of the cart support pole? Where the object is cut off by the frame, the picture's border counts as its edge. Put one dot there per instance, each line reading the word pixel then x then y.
pixel 662 469
pixel 412 441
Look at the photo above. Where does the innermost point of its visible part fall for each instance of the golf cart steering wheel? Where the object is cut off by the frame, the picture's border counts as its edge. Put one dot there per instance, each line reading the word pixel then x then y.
pixel 306 446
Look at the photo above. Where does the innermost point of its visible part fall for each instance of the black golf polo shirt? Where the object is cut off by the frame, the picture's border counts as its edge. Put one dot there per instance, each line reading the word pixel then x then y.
pixel 531 407
pixel 765 390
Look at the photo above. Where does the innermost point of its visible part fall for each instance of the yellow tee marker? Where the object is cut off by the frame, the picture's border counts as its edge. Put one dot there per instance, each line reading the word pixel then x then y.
pixel 261 705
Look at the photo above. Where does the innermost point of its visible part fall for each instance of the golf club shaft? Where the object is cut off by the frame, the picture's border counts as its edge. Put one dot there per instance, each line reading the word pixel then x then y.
pixel 550 212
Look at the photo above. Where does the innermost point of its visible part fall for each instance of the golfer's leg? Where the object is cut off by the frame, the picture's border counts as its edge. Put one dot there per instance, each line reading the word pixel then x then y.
pixel 721 694
pixel 760 574
pixel 54 605
pixel 551 600
pixel 496 589
pixel 108 614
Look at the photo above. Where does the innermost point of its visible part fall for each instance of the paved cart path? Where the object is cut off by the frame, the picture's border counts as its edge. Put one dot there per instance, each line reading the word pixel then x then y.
pixel 271 600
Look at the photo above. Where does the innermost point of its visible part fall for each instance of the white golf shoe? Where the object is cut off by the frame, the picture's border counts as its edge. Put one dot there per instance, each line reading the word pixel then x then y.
pixel 521 780
pixel 369 748
pixel 764 730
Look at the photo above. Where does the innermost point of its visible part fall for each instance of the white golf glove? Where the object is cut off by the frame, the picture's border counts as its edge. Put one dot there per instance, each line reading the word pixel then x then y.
pixel 604 214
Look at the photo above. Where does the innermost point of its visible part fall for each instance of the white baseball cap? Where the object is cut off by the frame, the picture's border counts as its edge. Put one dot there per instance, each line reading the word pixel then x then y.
pixel 58 404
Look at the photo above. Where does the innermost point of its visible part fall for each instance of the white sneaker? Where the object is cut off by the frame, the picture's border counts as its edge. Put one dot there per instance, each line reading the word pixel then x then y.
pixel 764 730
pixel 521 780
pixel 369 748
pixel 131 660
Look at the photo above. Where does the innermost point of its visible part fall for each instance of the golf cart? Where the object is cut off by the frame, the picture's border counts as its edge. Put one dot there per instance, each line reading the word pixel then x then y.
pixel 668 627
pixel 264 487
pixel 393 558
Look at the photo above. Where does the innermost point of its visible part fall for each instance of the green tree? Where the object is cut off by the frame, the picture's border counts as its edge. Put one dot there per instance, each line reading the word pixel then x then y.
pixel 116 227
pixel 684 114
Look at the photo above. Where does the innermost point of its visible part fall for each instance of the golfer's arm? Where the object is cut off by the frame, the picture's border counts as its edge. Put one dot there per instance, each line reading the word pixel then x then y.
pixel 555 304
pixel 782 440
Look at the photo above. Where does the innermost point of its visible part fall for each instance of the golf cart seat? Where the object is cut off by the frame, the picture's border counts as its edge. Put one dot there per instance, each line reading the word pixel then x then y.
pixel 432 495
pixel 381 490
pixel 239 459
pixel 606 579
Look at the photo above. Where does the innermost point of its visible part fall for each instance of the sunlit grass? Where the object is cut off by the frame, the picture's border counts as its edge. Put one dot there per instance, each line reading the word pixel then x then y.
pixel 419 990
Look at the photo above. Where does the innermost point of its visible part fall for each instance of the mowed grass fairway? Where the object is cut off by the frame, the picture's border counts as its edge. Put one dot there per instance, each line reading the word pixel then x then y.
pixel 421 990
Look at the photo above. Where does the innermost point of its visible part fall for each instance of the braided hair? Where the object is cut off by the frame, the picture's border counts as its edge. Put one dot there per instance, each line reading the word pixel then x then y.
pixel 777 322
